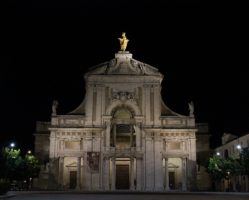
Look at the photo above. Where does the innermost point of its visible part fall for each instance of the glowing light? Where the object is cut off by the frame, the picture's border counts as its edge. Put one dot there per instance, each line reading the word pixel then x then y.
pixel 29 152
pixel 12 144
pixel 239 146
pixel 218 153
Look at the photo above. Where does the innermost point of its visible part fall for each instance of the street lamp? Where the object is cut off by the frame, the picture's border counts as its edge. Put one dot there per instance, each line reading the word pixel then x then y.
pixel 228 181
pixel 12 144
pixel 218 153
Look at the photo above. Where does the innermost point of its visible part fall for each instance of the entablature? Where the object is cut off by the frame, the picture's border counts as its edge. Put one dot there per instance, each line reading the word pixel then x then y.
pixel 68 120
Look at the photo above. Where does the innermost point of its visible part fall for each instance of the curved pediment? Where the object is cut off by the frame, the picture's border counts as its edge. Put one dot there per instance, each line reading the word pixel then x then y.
pixel 123 63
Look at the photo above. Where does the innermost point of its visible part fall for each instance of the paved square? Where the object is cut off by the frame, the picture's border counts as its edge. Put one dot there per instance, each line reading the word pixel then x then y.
pixel 141 196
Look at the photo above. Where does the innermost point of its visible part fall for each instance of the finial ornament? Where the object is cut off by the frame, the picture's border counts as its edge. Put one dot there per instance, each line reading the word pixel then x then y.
pixel 123 42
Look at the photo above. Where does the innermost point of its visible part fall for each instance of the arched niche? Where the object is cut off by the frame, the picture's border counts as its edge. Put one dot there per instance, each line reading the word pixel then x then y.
pixel 122 129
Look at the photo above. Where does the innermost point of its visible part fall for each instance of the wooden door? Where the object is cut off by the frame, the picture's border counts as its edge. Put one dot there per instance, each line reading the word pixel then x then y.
pixel 73 179
pixel 172 180
pixel 122 177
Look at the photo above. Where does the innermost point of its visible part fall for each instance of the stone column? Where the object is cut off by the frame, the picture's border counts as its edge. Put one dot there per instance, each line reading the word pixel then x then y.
pixel 132 174
pixel 106 175
pixel 52 146
pixel 191 165
pixel 86 173
pixel 166 174
pixel 192 149
pixel 89 103
pixel 61 171
pixel 53 174
pixel 149 165
pixel 147 107
pixel 82 182
pixel 98 104
pixel 78 174
pixel 157 104
pixel 184 170
pixel 139 174
pixel 113 174
pixel 158 165
pixel 107 138
pixel 114 135
pixel 81 144
pixel 131 136
pixel 138 137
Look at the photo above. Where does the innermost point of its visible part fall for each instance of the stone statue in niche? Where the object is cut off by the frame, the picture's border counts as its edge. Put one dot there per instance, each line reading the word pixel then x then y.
pixel 54 107
pixel 191 108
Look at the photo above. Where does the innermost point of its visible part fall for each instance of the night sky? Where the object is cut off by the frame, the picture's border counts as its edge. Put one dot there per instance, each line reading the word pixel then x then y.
pixel 48 47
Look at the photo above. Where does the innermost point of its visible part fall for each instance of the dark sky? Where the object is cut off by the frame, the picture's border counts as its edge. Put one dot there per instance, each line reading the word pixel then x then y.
pixel 48 46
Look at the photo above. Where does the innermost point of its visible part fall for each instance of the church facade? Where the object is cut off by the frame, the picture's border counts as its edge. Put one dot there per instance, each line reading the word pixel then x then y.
pixel 122 136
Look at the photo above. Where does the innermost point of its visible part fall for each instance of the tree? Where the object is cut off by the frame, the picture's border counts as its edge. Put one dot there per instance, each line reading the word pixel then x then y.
pixel 13 167
pixel 32 167
pixel 244 160
pixel 223 168
pixel 11 164
pixel 10 167
pixel 214 168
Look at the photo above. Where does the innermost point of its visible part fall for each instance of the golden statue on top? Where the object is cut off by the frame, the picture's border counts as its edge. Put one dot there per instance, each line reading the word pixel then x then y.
pixel 123 42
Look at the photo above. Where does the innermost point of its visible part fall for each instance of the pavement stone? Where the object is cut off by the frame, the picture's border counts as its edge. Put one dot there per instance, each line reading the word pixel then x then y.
pixel 125 195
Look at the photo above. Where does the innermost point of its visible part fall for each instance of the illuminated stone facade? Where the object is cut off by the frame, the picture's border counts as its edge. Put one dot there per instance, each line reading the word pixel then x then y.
pixel 122 136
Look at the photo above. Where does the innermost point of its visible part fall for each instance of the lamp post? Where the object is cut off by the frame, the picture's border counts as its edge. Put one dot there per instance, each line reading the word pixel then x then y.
pixel 239 148
pixel 228 181
pixel 239 182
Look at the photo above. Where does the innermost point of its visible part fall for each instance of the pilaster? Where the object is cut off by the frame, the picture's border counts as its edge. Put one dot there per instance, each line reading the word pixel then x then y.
pixel 132 174
pixel 106 175
pixel 139 174
pixel 184 174
pixel 78 186
pixel 166 174
pixel 158 164
pixel 113 174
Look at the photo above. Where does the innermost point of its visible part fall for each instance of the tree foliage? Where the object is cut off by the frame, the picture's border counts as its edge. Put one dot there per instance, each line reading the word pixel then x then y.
pixel 244 161
pixel 11 164
pixel 220 168
pixel 14 167
pixel 32 166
